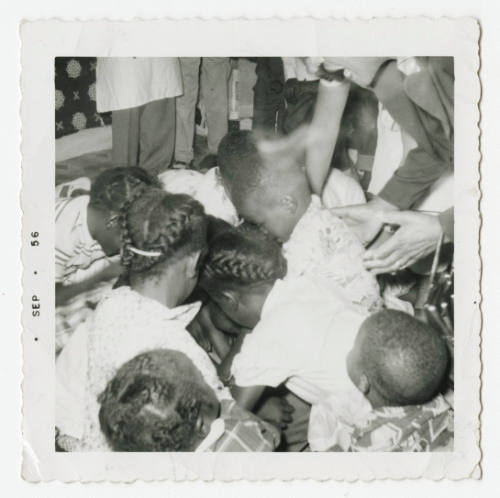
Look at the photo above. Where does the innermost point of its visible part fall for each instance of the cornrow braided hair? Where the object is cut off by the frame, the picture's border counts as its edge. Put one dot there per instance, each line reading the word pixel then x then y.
pixel 157 226
pixel 153 403
pixel 243 256
pixel 113 187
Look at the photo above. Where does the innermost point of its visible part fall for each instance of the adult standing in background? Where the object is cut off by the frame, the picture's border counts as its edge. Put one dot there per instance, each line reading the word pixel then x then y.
pixel 140 92
pixel 213 86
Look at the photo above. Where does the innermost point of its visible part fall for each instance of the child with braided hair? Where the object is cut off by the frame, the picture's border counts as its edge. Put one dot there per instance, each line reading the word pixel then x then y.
pixel 87 238
pixel 163 236
pixel 315 342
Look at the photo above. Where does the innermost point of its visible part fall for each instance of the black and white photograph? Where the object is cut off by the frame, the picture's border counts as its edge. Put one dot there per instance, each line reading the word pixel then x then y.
pixel 271 248
pixel 254 254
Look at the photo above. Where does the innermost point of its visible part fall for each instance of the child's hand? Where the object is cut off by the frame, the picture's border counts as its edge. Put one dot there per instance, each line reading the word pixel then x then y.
pixel 276 411
pixel 114 270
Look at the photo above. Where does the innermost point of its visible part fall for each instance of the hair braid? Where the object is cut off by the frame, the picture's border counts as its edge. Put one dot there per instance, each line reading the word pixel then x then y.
pixel 244 256
pixel 113 187
pixel 154 221
pixel 126 255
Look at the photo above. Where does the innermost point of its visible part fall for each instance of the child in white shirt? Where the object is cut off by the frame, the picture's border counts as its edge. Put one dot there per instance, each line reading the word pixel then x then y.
pixel 326 351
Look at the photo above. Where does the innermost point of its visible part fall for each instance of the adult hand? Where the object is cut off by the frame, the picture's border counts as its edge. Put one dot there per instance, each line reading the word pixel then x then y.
pixel 416 237
pixel 364 219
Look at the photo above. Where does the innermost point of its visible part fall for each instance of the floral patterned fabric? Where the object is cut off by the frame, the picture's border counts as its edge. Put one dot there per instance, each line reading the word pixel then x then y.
pixel 75 95
pixel 427 427
pixel 322 246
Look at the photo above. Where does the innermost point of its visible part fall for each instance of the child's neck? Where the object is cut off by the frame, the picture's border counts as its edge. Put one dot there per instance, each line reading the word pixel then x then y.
pixel 302 207
pixel 166 289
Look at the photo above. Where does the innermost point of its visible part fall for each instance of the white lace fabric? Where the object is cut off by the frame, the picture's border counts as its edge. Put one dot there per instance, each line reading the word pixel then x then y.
pixel 323 246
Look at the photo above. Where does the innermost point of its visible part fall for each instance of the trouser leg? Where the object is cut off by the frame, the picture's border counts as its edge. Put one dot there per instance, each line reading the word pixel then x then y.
pixel 214 87
pixel 125 128
pixel 268 101
pixel 185 109
pixel 157 135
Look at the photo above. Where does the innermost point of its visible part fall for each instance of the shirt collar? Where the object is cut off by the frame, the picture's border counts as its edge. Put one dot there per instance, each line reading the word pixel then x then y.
pixel 183 313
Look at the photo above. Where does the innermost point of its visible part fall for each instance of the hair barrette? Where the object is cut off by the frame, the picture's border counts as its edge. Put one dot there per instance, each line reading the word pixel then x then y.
pixel 147 254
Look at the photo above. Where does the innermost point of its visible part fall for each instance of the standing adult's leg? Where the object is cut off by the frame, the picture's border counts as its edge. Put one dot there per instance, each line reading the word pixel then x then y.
pixel 185 109
pixel 157 135
pixel 268 100
pixel 125 129
pixel 214 88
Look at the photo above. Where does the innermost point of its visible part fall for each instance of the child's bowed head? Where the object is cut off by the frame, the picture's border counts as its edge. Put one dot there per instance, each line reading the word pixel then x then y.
pixel 109 192
pixel 158 401
pixel 265 180
pixel 397 360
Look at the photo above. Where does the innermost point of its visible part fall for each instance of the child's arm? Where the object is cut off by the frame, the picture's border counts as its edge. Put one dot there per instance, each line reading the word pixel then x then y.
pixel 247 397
pixel 224 369
pixel 324 131
pixel 66 292
pixel 207 335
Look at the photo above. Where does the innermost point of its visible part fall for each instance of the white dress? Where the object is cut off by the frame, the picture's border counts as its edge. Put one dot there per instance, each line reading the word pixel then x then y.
pixel 124 325
pixel 125 82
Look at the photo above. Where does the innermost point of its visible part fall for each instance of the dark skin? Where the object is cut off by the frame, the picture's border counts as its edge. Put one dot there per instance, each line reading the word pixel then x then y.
pixel 246 311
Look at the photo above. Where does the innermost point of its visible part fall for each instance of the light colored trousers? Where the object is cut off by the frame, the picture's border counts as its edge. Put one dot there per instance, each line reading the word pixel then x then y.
pixel 214 93
pixel 145 135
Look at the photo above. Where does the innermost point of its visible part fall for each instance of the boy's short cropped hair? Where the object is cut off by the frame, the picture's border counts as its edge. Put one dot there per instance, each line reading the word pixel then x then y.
pixel 405 359
pixel 240 163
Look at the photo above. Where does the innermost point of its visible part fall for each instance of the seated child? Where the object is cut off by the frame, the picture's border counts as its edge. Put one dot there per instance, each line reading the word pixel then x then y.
pixel 272 191
pixel 163 236
pixel 87 235
pixel 159 401
pixel 328 352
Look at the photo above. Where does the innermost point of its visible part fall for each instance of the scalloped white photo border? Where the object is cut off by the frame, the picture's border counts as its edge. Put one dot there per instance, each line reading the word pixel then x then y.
pixel 42 41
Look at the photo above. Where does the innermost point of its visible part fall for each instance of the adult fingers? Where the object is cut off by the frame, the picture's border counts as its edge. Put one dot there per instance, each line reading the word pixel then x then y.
pixel 391 247
pixel 355 212
pixel 395 260
pixel 399 217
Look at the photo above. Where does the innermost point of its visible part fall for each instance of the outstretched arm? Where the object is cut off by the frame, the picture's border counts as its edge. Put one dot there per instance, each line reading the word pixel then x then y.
pixel 324 130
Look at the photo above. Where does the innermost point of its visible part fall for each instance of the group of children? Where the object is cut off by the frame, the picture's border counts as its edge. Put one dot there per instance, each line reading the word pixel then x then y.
pixel 241 318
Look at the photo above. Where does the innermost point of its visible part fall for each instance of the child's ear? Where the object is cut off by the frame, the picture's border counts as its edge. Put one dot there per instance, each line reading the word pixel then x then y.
pixel 289 203
pixel 364 384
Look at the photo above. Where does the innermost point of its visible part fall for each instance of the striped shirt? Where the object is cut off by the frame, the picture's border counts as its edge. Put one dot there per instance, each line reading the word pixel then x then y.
pixel 75 249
